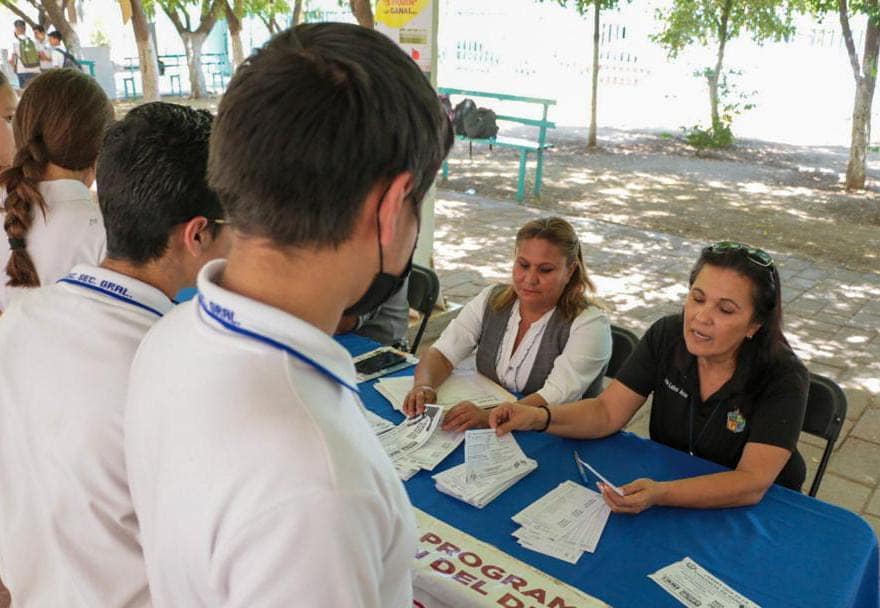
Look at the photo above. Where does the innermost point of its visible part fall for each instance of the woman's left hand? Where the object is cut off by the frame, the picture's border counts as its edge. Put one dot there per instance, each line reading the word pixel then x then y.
pixel 464 416
pixel 638 496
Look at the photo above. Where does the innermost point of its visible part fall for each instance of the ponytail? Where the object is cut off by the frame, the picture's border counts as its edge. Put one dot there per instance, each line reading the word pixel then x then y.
pixel 22 195
pixel 60 120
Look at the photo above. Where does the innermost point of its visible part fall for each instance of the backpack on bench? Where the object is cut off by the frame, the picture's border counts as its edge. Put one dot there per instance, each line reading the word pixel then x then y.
pixel 480 124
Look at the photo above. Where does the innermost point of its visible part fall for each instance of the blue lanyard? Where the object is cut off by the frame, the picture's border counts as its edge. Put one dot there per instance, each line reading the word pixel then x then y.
pixel 110 294
pixel 276 344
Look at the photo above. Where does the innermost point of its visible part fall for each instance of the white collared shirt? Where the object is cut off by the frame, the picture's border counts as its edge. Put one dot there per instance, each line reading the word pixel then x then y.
pixel 68 532
pixel 256 478
pixel 72 232
pixel 584 357
pixel 44 47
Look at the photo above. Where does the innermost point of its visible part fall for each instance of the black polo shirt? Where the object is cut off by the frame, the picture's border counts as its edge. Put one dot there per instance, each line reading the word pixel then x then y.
pixel 755 405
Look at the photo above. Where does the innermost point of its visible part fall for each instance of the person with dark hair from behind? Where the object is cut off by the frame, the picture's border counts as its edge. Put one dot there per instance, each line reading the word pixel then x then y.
pixel 49 216
pixel 255 475
pixel 726 386
pixel 68 530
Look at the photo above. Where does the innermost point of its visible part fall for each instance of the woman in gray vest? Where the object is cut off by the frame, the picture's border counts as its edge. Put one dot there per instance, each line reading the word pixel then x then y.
pixel 542 336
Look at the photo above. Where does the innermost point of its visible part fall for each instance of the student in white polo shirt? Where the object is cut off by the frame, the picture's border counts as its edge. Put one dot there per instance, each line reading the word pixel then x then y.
pixel 49 216
pixel 68 530
pixel 256 478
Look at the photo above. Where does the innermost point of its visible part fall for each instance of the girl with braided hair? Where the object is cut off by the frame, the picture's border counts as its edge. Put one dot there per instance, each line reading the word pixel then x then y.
pixel 8 101
pixel 50 219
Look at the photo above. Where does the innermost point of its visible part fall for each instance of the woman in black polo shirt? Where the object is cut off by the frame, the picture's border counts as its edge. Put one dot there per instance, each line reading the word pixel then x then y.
pixel 726 385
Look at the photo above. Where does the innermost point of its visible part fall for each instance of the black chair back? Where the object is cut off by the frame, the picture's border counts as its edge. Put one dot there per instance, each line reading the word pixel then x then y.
pixel 826 411
pixel 424 289
pixel 623 343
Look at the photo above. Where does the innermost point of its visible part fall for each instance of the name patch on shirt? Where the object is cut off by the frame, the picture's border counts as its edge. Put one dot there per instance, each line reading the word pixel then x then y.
pixel 222 313
pixel 674 389
pixel 735 421
pixel 106 285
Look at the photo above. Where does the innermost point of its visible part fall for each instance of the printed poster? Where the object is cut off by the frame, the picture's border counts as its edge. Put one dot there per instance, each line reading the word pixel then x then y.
pixel 409 23
pixel 455 570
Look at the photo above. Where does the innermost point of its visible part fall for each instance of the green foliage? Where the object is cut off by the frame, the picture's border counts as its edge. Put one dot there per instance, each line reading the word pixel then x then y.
pixel 732 102
pixel 821 8
pixel 265 8
pixel 719 136
pixel 689 22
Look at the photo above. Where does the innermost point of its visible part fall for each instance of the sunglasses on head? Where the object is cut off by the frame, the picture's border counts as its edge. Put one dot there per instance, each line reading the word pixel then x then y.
pixel 754 255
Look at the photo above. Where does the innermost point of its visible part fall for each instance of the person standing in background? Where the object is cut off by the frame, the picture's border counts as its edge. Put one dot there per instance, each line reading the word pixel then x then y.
pixel 43 48
pixel 25 58
pixel 58 52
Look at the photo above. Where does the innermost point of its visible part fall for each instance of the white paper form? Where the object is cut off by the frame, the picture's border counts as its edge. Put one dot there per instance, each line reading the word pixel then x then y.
pixel 692 585
pixel 482 491
pixel 486 455
pixel 467 386
pixel 434 451
pixel 563 523
pixel 412 433
pixel 377 423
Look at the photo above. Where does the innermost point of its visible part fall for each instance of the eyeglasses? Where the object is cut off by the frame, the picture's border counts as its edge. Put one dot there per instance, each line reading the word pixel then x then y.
pixel 754 255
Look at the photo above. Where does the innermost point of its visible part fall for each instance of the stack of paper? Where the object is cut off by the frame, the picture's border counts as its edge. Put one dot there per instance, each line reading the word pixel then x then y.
pixel 492 465
pixel 459 387
pixel 419 442
pixel 564 523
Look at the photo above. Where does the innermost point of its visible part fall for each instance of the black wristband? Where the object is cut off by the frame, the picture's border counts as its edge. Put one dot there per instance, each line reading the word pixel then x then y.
pixel 15 244
pixel 549 418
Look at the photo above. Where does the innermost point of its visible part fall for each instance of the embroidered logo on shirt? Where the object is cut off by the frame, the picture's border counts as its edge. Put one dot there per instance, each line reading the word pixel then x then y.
pixel 735 421
pixel 674 388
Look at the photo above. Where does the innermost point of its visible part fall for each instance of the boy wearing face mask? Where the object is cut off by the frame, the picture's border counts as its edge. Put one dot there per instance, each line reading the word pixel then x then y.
pixel 255 476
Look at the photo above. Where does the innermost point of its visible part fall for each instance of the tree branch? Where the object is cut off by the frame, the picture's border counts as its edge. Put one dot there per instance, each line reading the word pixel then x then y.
pixel 12 7
pixel 848 39
pixel 174 17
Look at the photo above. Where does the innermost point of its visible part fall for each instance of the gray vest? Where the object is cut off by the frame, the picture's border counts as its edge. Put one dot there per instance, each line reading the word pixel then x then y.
pixel 552 344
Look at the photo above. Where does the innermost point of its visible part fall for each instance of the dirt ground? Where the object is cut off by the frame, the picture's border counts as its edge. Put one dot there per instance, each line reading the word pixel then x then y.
pixel 780 197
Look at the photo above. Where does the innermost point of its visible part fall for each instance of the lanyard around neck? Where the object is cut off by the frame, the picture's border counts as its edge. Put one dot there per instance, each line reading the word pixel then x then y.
pixel 237 329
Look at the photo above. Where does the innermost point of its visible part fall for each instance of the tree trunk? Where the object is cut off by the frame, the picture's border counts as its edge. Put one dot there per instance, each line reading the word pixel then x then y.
pixel 297 12
pixel 147 57
pixel 713 76
pixel 59 20
pixel 591 139
pixel 192 43
pixel 363 12
pixel 235 33
pixel 861 119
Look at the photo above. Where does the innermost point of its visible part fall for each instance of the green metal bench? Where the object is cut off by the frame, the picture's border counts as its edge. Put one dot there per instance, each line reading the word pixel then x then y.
pixel 523 145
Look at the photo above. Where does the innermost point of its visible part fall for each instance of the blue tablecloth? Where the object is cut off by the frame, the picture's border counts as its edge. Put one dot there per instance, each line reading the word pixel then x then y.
pixel 789 550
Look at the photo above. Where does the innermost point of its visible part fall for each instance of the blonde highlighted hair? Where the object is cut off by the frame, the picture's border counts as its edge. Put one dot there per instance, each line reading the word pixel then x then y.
pixel 579 292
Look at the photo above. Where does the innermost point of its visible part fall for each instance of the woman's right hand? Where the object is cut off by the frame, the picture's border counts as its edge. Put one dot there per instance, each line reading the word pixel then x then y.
pixel 414 403
pixel 516 417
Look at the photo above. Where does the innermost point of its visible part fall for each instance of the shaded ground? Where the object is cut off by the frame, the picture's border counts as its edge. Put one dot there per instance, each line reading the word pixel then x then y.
pixel 783 198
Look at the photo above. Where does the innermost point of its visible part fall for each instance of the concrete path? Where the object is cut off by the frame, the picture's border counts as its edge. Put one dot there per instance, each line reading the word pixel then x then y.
pixel 832 316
